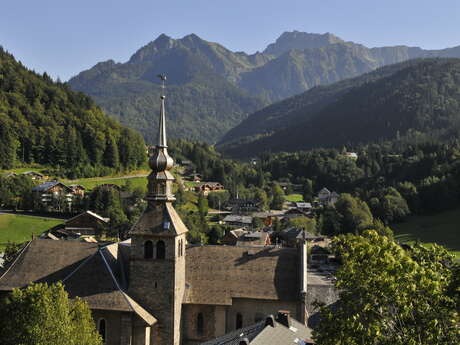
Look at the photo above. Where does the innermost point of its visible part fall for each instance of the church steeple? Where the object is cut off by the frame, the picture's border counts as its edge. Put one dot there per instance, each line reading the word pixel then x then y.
pixel 157 263
pixel 160 179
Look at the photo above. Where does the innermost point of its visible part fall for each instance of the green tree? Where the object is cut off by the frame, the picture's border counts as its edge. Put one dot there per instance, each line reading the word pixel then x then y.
pixel 355 215
pixel 277 197
pixel 308 224
pixel 44 315
pixel 390 296
pixel 307 190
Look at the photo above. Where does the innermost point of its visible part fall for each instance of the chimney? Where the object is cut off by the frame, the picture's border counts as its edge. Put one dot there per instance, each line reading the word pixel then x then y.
pixel 244 341
pixel 270 321
pixel 284 317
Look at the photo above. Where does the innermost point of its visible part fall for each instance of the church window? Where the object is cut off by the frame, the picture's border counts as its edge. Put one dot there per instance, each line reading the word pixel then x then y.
pixel 178 248
pixel 239 321
pixel 181 247
pixel 148 250
pixel 200 324
pixel 102 329
pixel 161 250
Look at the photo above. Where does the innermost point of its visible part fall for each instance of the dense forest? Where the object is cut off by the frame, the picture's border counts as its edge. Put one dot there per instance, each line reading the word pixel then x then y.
pixel 421 97
pixel 44 122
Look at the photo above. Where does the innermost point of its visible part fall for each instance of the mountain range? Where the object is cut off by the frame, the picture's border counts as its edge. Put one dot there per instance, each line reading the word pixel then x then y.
pixel 418 97
pixel 212 89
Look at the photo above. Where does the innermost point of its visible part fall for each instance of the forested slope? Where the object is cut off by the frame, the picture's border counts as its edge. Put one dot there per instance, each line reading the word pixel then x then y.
pixel 44 122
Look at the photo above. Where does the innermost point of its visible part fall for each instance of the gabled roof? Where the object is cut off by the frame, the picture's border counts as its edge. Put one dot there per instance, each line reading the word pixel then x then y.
pixel 47 185
pixel 262 333
pixel 92 214
pixel 96 274
pixel 238 218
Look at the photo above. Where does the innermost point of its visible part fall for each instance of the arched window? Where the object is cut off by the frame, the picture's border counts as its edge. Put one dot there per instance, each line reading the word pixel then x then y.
pixel 148 250
pixel 161 250
pixel 102 329
pixel 178 248
pixel 239 321
pixel 200 324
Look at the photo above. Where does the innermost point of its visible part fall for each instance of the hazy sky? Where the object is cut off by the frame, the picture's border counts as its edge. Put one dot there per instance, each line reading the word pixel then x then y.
pixel 64 37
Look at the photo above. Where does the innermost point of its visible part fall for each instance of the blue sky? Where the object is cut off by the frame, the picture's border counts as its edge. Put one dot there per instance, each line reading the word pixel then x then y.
pixel 65 37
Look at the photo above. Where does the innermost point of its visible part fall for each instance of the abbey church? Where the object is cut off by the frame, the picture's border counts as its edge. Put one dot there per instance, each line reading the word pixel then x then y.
pixel 155 289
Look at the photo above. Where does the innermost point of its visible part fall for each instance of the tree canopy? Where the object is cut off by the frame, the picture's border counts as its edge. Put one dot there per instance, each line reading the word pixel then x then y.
pixel 44 315
pixel 389 295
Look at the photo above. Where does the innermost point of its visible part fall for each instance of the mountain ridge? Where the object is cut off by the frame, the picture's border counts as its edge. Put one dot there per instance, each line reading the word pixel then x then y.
pixel 223 87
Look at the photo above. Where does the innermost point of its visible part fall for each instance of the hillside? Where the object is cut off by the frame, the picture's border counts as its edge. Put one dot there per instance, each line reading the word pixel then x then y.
pixel 421 96
pixel 46 123
pixel 212 89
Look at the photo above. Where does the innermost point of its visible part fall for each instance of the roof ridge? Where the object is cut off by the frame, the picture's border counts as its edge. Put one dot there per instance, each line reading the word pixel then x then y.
pixel 79 266
pixel 16 259
pixel 123 293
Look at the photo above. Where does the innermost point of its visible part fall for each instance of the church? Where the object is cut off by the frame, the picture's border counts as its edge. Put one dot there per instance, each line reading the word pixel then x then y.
pixel 155 289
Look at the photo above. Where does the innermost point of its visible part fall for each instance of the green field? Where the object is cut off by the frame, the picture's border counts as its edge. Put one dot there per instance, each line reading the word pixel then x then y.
pixel 442 228
pixel 90 183
pixel 294 197
pixel 19 228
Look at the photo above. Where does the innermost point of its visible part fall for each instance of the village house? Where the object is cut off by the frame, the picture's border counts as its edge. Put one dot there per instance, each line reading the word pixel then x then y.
pixel 238 220
pixel 34 175
pixel 154 289
pixel 231 237
pixel 351 155
pixel 207 187
pixel 326 197
pixel 77 189
pixel 239 206
pixel 87 224
pixel 53 196
pixel 254 239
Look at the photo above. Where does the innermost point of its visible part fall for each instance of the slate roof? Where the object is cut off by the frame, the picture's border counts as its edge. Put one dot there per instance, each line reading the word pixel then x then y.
pixel 96 274
pixel 238 219
pixel 216 274
pixel 47 185
pixel 263 334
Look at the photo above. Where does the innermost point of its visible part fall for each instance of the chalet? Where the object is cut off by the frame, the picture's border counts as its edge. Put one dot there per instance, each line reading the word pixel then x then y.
pixel 303 205
pixel 86 223
pixel 327 197
pixel 34 175
pixel 207 187
pixel 269 330
pixel 237 220
pixel 269 216
pixel 296 212
pixel 77 189
pixel 232 236
pixel 292 237
pixel 254 239
pixel 243 205
pixel 53 195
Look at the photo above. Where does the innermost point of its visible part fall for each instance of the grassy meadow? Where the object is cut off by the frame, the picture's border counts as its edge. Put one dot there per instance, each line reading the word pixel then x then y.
pixel 19 228
pixel 294 197
pixel 442 228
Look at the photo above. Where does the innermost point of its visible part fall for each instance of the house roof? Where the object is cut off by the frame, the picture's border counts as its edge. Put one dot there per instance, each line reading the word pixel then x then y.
pixel 47 185
pixel 93 214
pixel 216 274
pixel 262 333
pixel 303 205
pixel 238 218
pixel 96 274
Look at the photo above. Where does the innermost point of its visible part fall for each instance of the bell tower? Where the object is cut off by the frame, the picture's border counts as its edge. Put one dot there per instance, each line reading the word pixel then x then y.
pixel 157 259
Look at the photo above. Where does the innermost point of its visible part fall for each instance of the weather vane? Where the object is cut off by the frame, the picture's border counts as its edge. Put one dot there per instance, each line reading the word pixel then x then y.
pixel 163 79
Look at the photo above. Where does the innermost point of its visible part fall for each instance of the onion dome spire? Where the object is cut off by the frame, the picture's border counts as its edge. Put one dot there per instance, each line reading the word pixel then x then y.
pixel 160 179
